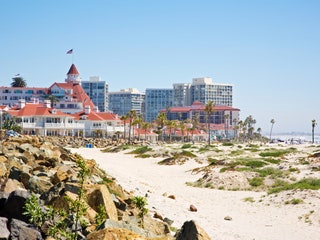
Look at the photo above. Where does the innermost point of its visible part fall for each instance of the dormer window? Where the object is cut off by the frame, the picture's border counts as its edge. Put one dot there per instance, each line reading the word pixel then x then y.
pixel 84 117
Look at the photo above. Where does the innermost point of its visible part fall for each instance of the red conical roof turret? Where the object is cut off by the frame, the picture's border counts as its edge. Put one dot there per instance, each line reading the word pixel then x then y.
pixel 73 70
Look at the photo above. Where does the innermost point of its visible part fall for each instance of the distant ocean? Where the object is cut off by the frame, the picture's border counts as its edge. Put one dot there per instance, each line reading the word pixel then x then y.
pixel 303 137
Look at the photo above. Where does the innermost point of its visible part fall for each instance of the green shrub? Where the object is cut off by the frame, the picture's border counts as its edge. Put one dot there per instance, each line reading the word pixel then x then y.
pixel 187 145
pixel 143 155
pixel 306 183
pixel 101 215
pixel 34 211
pixel 212 161
pixel 296 201
pixel 252 145
pixel 255 164
pixel 256 181
pixel 276 152
pixel 236 152
pixel 269 171
pixel 141 203
pixel 227 144
pixel 271 160
pixel 187 154
pixel 141 150
pixel 248 199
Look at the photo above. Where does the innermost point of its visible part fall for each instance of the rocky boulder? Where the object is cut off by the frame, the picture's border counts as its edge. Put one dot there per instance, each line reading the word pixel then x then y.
pixel 100 195
pixel 191 231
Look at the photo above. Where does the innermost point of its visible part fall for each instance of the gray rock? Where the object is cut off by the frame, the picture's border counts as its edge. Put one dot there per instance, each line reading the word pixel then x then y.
pixel 4 232
pixel 168 221
pixel 23 231
pixel 39 184
pixel 3 198
pixel 15 173
pixel 14 205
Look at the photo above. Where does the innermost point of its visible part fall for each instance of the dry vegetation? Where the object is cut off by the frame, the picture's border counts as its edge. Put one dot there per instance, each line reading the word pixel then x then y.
pixel 259 167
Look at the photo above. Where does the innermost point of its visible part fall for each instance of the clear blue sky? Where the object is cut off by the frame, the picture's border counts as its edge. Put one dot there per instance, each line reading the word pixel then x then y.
pixel 269 50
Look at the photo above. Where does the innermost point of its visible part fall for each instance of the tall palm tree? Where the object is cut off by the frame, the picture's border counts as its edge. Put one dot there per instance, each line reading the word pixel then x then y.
pixel 145 127
pixel 313 126
pixel 124 119
pixel 182 127
pixel 18 82
pixel 170 124
pixel 209 109
pixel 195 124
pixel 161 121
pixel 250 122
pixel 138 121
pixel 259 132
pixel 272 123
pixel 226 124
pixel 132 114
pixel 235 127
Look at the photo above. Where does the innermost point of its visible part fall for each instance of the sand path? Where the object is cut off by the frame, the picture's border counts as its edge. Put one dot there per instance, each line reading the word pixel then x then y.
pixel 249 220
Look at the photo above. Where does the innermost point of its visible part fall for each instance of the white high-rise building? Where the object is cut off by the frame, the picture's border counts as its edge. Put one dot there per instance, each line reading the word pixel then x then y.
pixel 157 99
pixel 97 90
pixel 125 100
pixel 204 90
pixel 181 94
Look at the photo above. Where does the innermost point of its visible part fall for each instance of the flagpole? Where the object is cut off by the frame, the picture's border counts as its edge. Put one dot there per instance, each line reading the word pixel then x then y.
pixel 71 52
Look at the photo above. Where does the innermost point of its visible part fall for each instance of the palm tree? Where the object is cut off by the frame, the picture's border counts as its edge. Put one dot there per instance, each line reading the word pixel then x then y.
pixel 145 127
pixel 235 127
pixel 195 124
pixel 161 121
pixel 53 99
pixel 138 121
pixel 313 126
pixel 209 109
pixel 18 82
pixel 259 132
pixel 124 119
pixel 132 114
pixel 250 122
pixel 170 124
pixel 272 123
pixel 226 124
pixel 182 127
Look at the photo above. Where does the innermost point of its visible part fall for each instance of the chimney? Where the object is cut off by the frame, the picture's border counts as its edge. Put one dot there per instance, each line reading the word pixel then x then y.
pixel 22 103
pixel 47 103
pixel 87 109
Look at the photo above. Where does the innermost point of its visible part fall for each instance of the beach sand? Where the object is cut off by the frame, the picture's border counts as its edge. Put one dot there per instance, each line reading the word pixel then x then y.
pixel 263 219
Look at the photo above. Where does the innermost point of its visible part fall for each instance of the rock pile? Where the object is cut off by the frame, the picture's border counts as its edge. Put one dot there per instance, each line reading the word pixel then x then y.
pixel 41 167
pixel 77 142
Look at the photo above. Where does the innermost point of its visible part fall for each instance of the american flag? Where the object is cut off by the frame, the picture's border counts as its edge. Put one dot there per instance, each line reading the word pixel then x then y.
pixel 70 51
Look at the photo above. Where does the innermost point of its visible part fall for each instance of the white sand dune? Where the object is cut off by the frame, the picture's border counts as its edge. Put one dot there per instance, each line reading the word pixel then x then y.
pixel 257 220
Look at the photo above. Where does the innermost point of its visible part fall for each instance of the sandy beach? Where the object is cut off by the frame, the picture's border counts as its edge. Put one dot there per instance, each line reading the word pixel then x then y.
pixel 262 219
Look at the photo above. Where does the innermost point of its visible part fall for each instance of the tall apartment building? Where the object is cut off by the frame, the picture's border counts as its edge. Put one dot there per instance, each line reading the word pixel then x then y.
pixel 204 90
pixel 181 94
pixel 127 99
pixel 157 99
pixel 97 90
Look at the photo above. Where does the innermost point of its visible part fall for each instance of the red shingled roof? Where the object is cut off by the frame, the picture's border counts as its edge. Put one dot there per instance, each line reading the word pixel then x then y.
pixel 77 93
pixel 31 109
pixel 96 116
